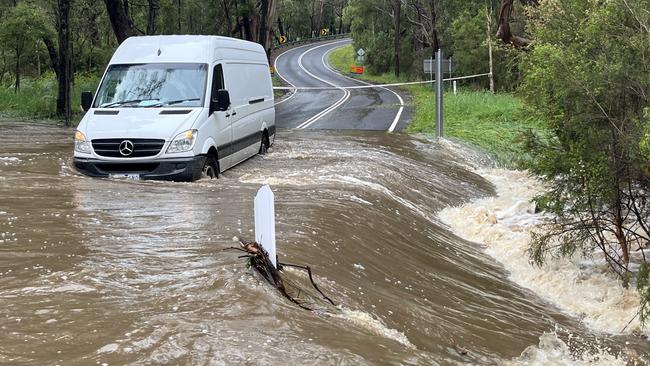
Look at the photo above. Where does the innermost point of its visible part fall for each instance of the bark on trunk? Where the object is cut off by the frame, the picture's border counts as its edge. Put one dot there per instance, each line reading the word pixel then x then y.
pixel 398 17
pixel 119 20
pixel 152 18
pixel 266 25
pixel 503 25
pixel 4 66
pixel 435 45
pixel 178 4
pixel 52 51
pixel 63 107
pixel 17 71
pixel 226 10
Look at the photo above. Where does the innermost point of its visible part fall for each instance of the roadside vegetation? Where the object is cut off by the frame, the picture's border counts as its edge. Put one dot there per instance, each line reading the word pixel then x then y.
pixel 36 99
pixel 571 83
pixel 494 123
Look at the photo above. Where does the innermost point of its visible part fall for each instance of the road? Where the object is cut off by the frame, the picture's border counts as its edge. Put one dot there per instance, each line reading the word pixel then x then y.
pixel 378 109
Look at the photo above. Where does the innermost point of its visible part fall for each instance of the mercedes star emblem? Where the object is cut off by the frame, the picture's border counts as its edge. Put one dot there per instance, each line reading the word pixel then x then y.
pixel 126 148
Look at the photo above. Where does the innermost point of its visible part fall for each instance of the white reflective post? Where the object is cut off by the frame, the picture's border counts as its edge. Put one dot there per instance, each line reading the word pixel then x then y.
pixel 265 222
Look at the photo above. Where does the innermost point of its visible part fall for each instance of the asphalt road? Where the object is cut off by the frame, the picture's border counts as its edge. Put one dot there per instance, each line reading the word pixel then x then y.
pixel 335 108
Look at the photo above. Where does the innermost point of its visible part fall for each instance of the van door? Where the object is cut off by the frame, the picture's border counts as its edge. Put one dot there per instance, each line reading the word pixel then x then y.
pixel 219 123
pixel 247 97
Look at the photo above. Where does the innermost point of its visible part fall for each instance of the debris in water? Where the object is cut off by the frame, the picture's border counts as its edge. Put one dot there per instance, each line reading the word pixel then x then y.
pixel 259 260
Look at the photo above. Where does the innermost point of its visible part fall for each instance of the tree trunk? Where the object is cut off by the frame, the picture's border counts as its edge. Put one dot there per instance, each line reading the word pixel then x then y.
pixel 65 64
pixel 503 25
pixel 180 13
pixel 52 51
pixel 119 20
pixel 226 10
pixel 17 71
pixel 154 6
pixel 435 44
pixel 4 66
pixel 266 25
pixel 398 33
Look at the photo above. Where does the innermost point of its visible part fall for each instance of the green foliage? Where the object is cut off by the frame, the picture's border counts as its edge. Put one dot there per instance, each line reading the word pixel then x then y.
pixel 494 123
pixel 469 49
pixel 588 77
pixel 22 26
pixel 37 97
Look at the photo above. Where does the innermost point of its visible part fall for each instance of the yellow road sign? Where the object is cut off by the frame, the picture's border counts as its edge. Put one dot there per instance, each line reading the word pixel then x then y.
pixel 283 39
pixel 324 32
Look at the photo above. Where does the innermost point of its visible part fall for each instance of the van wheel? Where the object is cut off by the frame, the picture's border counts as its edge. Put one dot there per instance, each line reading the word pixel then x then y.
pixel 211 168
pixel 264 147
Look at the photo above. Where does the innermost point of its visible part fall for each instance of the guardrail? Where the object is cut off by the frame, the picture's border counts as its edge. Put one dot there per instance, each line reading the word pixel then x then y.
pixel 311 40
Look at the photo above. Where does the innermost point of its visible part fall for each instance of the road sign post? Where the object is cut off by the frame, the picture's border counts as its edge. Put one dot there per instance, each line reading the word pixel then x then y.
pixel 439 112
pixel 265 222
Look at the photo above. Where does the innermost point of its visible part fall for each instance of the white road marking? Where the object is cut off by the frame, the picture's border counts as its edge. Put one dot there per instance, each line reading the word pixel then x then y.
pixel 401 101
pixel 275 66
pixel 346 93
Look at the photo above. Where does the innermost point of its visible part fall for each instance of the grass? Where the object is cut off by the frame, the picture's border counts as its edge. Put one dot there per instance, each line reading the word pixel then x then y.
pixel 277 94
pixel 494 123
pixel 36 98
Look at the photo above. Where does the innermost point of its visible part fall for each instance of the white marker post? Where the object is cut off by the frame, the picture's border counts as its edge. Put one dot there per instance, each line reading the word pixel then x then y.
pixel 265 222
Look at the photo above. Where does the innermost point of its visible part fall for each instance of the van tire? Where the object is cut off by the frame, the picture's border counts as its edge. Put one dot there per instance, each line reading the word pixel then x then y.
pixel 264 146
pixel 210 168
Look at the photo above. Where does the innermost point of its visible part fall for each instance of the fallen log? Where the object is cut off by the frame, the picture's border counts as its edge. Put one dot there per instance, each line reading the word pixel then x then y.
pixel 258 259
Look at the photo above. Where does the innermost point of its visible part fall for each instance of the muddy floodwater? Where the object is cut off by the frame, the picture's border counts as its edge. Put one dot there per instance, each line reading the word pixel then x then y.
pixel 98 271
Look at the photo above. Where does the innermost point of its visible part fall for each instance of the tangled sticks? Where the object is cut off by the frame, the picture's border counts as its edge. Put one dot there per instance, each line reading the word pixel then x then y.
pixel 259 260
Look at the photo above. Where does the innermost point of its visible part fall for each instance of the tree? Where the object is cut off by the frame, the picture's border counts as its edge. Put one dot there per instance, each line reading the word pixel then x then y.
pixel 397 17
pixel 20 29
pixel 118 13
pixel 64 64
pixel 588 77
pixel 154 6
pixel 503 25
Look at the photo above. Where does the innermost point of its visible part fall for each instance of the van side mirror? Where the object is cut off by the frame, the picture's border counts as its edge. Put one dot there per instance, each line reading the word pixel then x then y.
pixel 220 102
pixel 86 100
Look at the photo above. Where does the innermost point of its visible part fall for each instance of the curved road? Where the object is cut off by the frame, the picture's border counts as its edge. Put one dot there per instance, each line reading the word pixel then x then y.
pixel 335 108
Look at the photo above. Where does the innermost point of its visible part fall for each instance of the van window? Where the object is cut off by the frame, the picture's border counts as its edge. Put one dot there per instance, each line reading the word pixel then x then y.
pixel 153 85
pixel 217 81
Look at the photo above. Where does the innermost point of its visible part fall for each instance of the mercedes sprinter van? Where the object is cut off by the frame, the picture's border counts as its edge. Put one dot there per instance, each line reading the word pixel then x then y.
pixel 177 108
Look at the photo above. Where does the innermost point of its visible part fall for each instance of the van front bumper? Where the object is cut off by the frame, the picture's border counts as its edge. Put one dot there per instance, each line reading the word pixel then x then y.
pixel 179 170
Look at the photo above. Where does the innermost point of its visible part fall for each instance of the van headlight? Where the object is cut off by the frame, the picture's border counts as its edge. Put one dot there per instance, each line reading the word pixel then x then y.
pixel 81 144
pixel 184 141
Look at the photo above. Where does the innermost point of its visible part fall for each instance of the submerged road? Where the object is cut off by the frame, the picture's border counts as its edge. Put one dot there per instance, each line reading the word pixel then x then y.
pixel 379 109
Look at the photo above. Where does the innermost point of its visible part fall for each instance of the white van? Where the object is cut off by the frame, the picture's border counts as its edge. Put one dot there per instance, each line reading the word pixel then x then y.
pixel 177 108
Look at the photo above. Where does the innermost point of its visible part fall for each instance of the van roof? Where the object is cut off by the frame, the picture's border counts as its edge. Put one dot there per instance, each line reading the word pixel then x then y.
pixel 180 49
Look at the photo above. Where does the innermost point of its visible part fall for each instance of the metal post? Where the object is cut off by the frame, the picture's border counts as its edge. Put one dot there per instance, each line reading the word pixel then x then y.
pixel 432 73
pixel 439 77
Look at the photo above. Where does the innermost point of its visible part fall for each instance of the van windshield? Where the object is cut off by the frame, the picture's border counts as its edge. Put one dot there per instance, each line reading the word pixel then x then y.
pixel 153 85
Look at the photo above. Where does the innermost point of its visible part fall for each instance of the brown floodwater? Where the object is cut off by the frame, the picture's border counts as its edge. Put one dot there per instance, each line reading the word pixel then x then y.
pixel 98 271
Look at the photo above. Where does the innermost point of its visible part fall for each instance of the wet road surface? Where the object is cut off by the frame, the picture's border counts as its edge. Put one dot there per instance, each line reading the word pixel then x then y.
pixel 120 272
pixel 357 109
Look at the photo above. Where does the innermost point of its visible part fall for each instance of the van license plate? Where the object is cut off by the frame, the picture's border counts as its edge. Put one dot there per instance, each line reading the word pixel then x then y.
pixel 125 176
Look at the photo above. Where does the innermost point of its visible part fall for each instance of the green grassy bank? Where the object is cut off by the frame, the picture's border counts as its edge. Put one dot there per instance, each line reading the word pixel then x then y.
pixel 492 122
pixel 36 98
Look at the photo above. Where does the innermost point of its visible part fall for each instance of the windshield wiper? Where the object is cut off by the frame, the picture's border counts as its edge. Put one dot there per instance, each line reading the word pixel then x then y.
pixel 170 102
pixel 122 102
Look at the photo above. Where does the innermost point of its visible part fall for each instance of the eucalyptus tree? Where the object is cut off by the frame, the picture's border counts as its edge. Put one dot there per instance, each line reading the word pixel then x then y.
pixel 20 29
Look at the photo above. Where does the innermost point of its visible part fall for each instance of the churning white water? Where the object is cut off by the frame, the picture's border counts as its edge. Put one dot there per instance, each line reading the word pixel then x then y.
pixel 503 224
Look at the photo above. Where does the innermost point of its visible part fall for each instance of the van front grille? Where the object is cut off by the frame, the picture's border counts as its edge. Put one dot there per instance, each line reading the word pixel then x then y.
pixel 127 167
pixel 110 148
